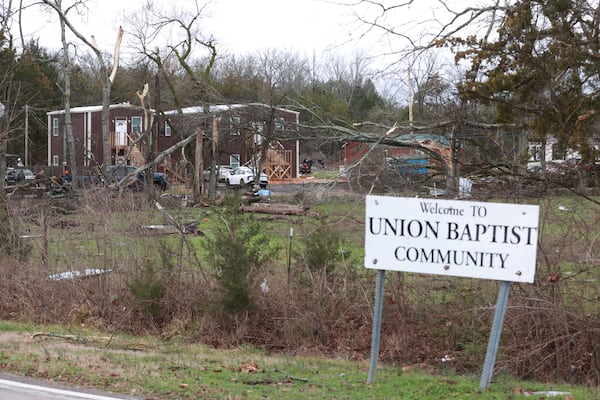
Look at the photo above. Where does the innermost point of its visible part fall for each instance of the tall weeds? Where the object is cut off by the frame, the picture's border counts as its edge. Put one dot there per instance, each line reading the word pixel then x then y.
pixel 208 288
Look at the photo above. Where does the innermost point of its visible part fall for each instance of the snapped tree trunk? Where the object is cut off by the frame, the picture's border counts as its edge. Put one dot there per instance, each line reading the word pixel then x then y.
pixel 106 150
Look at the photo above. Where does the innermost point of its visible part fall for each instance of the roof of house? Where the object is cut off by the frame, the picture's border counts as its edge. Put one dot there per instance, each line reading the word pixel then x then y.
pixel 213 109
pixel 220 108
pixel 97 108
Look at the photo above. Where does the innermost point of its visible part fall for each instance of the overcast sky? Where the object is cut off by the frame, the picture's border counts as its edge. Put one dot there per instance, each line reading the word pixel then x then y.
pixel 304 25
pixel 307 27
pixel 239 26
pixel 248 26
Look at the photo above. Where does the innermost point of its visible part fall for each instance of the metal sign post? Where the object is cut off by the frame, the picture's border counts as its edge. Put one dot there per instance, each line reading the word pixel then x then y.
pixel 376 334
pixel 494 340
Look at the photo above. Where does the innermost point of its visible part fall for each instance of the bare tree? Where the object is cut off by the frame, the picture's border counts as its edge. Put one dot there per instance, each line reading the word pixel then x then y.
pixel 10 90
pixel 181 28
pixel 66 92
pixel 106 77
pixel 432 90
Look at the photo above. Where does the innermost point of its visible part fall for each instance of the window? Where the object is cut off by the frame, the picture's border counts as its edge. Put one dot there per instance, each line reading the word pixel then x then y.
pixel 121 132
pixel 257 128
pixel 167 129
pixel 54 126
pixel 234 125
pixel 136 125
pixel 234 160
pixel 279 124
pixel 55 160
pixel 535 152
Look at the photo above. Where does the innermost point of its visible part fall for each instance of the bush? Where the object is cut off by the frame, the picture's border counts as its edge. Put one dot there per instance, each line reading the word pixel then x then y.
pixel 237 251
pixel 148 286
pixel 323 249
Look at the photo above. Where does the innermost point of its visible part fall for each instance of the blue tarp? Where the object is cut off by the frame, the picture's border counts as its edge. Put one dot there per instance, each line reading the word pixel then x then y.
pixel 410 166
pixel 264 192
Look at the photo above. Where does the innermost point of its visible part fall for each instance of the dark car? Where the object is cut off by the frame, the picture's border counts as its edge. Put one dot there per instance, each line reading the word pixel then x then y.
pixel 10 176
pixel 117 173
pixel 18 176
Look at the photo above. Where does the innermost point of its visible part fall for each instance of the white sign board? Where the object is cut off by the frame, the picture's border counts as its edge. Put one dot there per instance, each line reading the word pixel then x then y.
pixel 451 237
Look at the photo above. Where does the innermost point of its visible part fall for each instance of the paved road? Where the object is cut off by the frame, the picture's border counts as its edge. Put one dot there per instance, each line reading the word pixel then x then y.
pixel 12 388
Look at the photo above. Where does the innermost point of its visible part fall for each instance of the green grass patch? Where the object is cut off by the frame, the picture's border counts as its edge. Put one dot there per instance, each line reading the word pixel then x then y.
pixel 325 174
pixel 175 370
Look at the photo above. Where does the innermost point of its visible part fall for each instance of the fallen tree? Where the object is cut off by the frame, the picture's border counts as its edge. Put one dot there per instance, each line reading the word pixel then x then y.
pixel 278 209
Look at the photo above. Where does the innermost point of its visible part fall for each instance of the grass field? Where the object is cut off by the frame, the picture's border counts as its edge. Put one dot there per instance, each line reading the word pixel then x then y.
pixel 550 333
pixel 152 369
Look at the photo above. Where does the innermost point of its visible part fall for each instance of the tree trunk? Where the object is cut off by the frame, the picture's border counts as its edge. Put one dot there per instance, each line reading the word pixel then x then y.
pixel 107 81
pixel 198 162
pixel 106 150
pixel 212 183
pixel 277 209
pixel 72 162
pixel 9 240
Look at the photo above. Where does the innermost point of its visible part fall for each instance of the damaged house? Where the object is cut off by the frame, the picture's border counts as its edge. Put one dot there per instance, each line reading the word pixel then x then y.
pixel 234 135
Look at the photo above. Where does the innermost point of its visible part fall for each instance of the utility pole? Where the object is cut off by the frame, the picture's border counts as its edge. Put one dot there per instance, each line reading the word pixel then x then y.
pixel 410 105
pixel 26 155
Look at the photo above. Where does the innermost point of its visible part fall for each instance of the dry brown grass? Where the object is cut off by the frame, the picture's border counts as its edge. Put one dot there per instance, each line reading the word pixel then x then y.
pixel 552 329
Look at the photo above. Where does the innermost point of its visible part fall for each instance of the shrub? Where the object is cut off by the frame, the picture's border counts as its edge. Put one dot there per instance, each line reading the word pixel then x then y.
pixel 149 284
pixel 237 250
pixel 323 249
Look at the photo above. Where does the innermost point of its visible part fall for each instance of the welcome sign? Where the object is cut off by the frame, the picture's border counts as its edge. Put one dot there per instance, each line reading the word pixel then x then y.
pixel 451 237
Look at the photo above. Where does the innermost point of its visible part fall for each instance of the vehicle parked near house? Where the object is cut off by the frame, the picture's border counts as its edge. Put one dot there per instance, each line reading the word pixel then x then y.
pixel 13 176
pixel 161 180
pixel 223 172
pixel 241 176
pixel 10 176
pixel 117 173
pixel 28 175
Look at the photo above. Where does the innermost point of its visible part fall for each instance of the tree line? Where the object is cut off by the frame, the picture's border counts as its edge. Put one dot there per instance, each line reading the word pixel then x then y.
pixel 529 68
pixel 276 78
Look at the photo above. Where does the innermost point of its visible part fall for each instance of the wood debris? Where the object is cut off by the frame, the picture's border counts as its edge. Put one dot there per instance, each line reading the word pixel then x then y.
pixel 278 209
